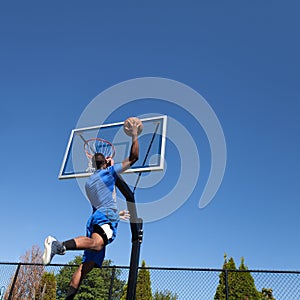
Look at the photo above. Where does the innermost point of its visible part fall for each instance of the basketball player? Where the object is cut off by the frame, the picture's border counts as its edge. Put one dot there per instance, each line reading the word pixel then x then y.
pixel 102 224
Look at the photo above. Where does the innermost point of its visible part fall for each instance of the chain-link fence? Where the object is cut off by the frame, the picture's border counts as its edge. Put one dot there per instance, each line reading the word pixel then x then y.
pixel 165 283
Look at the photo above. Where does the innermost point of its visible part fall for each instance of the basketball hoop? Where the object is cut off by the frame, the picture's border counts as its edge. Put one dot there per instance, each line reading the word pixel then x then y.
pixel 97 145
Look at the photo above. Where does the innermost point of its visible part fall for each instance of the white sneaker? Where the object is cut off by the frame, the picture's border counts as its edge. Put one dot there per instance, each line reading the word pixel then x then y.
pixel 52 247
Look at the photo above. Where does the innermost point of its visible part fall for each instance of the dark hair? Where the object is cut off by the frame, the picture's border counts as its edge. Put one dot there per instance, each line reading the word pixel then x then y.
pixel 99 160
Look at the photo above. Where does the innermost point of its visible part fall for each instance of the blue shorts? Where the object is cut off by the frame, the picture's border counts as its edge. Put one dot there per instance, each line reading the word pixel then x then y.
pixel 100 217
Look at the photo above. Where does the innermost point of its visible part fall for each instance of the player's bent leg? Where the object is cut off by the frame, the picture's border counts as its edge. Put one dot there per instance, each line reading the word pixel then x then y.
pixel 99 236
pixel 95 242
pixel 104 231
pixel 99 241
pixel 77 278
pixel 80 273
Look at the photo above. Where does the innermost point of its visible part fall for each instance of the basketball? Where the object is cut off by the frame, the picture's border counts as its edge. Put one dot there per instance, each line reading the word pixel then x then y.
pixel 131 124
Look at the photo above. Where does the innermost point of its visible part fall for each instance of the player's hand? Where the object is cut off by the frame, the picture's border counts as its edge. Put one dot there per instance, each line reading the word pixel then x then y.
pixel 124 215
pixel 109 161
pixel 133 126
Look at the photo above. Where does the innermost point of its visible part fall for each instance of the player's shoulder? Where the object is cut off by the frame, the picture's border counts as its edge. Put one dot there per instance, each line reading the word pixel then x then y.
pixel 116 168
pixel 93 176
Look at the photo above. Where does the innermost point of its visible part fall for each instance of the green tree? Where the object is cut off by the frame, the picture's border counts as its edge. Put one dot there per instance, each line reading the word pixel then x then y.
pixel 245 286
pixel 240 283
pixel 165 295
pixel 231 280
pixel 143 285
pixel 47 287
pixel 267 294
pixel 96 285
pixel 124 295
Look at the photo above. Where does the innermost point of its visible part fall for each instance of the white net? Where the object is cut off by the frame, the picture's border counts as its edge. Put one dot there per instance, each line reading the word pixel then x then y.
pixel 97 145
pixel 90 168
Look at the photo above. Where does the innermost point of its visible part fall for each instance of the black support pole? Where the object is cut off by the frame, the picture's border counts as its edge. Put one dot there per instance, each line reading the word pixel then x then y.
pixel 112 280
pixel 136 226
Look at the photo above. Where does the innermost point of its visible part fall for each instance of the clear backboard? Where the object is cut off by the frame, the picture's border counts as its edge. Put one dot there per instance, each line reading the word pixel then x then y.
pixel 152 143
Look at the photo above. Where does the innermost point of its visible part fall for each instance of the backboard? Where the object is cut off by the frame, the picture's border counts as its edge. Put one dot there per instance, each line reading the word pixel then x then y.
pixel 152 143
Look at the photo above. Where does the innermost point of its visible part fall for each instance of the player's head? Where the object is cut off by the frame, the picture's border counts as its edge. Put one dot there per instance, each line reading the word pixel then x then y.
pixel 99 161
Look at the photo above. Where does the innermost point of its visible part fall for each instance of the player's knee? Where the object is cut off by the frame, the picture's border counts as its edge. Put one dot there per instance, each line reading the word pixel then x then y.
pixel 98 242
pixel 104 231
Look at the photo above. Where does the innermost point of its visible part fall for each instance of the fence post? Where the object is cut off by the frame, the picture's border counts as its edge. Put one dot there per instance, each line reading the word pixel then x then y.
pixel 226 285
pixel 14 282
pixel 112 279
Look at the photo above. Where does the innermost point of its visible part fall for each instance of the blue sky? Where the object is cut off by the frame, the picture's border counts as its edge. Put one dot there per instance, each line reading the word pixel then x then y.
pixel 242 57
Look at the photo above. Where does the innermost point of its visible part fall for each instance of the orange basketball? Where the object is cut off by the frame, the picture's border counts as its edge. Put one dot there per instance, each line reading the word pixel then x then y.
pixel 131 123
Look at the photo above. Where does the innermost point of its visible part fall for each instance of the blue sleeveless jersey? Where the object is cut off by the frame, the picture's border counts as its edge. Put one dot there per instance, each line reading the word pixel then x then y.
pixel 100 187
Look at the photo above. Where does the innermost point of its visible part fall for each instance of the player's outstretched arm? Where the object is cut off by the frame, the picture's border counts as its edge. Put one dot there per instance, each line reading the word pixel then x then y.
pixel 134 152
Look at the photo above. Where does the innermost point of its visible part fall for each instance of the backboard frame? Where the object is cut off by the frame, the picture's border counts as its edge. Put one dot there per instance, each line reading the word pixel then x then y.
pixel 76 131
